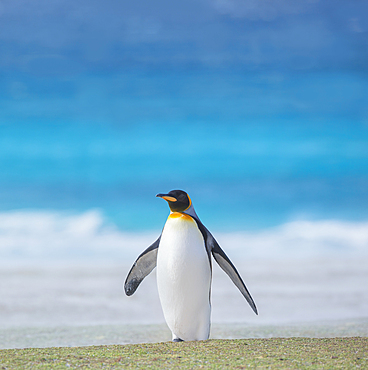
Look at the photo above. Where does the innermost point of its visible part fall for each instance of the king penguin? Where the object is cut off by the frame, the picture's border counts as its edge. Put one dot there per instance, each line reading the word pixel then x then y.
pixel 182 254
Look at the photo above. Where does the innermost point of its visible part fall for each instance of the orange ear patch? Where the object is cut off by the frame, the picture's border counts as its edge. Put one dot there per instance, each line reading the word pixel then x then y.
pixel 190 203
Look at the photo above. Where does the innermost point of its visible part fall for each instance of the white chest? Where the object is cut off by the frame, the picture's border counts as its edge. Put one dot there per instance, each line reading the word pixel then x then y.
pixel 182 248
pixel 184 278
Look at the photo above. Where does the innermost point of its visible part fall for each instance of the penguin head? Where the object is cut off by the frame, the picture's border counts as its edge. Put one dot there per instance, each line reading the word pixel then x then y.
pixel 178 200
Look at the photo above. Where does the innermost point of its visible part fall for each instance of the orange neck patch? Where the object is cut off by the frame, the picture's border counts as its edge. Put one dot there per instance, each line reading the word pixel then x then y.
pixel 180 215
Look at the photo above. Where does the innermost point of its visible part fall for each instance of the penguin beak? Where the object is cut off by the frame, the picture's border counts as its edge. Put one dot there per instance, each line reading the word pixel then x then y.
pixel 167 197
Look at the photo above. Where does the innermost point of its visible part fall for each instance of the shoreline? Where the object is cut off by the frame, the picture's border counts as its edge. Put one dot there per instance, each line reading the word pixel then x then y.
pixel 87 335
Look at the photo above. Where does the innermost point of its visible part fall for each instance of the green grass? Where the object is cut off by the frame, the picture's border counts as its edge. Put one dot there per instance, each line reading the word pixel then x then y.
pixel 281 353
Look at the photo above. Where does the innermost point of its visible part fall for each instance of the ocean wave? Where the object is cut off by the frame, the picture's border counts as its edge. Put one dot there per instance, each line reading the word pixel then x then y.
pixel 55 235
pixel 61 235
pixel 303 238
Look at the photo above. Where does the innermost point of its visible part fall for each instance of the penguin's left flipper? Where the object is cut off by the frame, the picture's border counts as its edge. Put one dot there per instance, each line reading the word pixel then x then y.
pixel 222 259
pixel 142 267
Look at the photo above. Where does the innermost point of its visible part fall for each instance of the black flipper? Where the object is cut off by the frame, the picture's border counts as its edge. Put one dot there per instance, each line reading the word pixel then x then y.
pixel 142 267
pixel 222 259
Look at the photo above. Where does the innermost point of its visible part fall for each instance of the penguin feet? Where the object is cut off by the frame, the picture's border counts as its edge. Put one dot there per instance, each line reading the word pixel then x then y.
pixel 177 340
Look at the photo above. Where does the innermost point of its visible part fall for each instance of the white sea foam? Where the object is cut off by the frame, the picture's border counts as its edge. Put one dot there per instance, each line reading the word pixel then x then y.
pixel 60 235
pixel 303 239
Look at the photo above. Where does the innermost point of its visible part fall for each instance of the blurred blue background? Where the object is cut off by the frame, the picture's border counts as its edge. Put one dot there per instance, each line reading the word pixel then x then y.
pixel 259 109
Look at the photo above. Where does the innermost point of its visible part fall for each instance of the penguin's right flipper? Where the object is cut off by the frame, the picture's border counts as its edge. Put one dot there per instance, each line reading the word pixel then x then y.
pixel 143 265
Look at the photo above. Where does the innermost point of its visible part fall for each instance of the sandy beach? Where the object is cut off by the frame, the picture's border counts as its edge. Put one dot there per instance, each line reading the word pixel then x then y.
pixel 58 304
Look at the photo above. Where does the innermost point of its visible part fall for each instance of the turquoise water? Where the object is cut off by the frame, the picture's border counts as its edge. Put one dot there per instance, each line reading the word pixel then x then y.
pixel 253 150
